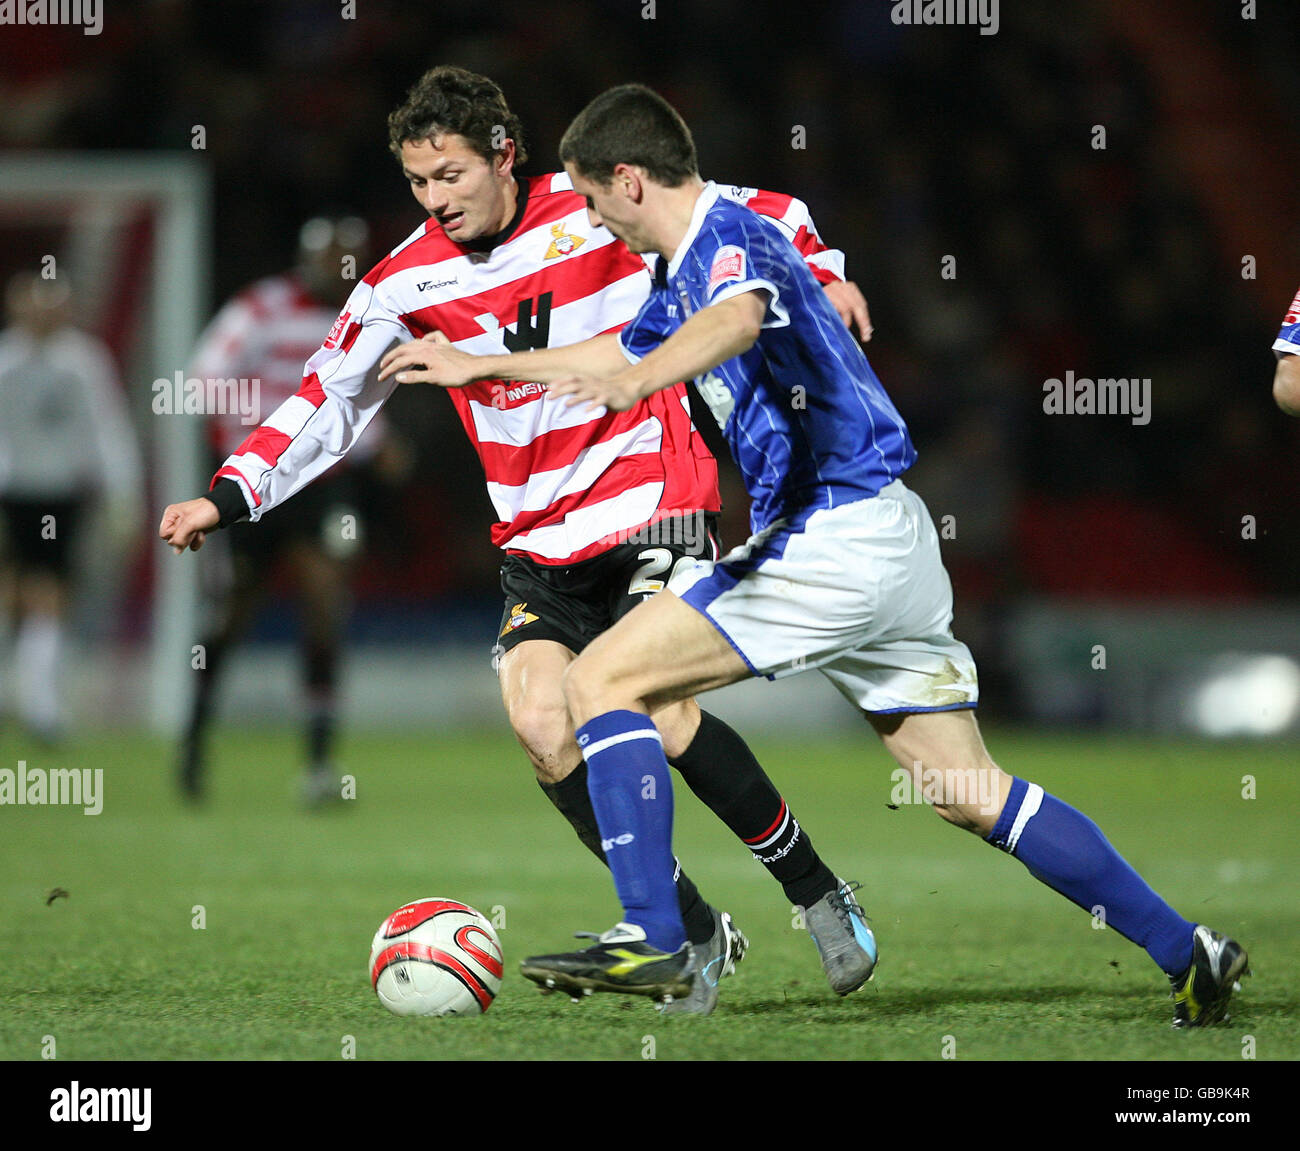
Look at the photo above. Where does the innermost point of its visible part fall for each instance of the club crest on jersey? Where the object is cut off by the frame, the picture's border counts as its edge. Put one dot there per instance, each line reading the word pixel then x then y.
pixel 562 243
pixel 519 615
pixel 728 264
pixel 336 332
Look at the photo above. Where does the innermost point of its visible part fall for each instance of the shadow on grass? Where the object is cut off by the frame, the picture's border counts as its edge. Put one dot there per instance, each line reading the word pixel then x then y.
pixel 869 1003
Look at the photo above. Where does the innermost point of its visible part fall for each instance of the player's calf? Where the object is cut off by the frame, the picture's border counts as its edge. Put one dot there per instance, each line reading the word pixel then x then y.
pixel 943 763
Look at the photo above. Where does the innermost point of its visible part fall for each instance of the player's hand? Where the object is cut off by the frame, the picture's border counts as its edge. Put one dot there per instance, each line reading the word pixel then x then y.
pixel 614 393
pixel 186 525
pixel 431 360
pixel 847 299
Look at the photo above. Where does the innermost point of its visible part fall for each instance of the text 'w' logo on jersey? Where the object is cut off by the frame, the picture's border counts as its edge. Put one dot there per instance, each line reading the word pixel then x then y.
pixel 562 242
pixel 528 335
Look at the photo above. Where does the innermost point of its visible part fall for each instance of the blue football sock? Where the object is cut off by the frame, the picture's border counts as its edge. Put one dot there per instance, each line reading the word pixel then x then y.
pixel 632 795
pixel 1064 849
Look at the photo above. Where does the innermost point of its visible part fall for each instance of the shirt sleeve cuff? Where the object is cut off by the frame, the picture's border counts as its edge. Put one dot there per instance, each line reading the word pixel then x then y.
pixel 230 502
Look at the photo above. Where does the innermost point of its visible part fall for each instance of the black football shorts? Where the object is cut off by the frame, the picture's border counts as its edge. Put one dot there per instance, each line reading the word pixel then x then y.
pixel 40 533
pixel 572 605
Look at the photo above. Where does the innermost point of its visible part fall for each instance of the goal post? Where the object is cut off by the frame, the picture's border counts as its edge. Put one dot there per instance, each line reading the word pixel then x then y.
pixel 87 198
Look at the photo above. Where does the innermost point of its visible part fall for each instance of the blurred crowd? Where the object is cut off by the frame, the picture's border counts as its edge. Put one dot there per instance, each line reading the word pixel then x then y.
pixel 998 246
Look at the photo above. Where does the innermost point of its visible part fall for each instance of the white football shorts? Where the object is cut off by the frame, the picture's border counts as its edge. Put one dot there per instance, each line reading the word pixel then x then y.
pixel 860 593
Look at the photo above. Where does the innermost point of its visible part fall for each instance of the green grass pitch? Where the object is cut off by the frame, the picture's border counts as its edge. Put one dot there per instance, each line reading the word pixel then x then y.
pixel 978 961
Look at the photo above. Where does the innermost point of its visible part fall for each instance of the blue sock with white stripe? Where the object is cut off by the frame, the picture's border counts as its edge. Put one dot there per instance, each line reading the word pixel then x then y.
pixel 1064 849
pixel 632 795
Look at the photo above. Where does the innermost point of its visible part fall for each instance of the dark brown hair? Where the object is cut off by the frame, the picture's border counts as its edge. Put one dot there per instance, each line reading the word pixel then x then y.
pixel 630 124
pixel 448 99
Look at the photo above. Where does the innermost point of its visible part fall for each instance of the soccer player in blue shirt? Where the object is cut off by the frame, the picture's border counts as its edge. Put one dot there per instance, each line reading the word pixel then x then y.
pixel 1286 376
pixel 842 572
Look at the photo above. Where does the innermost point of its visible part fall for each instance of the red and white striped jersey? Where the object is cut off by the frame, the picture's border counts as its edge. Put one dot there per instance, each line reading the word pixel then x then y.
pixel 566 482
pixel 260 338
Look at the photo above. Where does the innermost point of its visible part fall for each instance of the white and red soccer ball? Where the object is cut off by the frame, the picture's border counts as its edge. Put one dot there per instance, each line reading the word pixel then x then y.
pixel 436 957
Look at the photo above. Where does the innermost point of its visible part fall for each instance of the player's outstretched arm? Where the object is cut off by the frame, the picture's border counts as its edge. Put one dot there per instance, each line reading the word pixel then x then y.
pixel 1286 384
pixel 710 337
pixel 186 525
pixel 847 299
pixel 791 215
pixel 433 360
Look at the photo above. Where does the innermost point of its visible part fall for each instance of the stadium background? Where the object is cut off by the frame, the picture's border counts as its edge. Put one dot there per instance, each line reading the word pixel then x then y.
pixel 1071 533
pixel 919 144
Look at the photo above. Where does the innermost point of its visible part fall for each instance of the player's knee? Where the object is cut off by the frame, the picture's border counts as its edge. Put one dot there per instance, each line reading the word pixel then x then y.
pixel 582 689
pixel 677 726
pixel 544 732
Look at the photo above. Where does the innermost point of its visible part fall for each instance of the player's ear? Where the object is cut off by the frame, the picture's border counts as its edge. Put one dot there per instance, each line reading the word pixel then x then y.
pixel 630 181
pixel 503 159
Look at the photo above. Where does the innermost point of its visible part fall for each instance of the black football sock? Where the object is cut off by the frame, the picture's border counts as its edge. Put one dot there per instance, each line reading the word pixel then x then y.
pixel 214 650
pixel 321 725
pixel 720 769
pixel 321 662
pixel 193 759
pixel 573 801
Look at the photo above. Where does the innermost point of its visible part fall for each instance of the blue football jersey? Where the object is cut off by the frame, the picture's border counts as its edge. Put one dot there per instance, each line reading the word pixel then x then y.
pixel 807 421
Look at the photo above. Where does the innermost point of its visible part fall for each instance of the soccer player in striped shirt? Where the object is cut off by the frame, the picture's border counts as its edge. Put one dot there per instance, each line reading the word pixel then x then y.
pixel 842 573
pixel 595 510
pixel 259 340
pixel 1286 376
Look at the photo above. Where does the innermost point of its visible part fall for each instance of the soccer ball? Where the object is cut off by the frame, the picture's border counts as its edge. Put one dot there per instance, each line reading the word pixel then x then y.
pixel 436 957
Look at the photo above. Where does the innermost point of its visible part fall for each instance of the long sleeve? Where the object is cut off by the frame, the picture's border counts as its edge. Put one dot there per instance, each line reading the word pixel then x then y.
pixel 338 399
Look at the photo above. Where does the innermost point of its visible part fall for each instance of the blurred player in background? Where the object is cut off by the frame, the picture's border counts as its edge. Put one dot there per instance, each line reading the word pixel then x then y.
pixel 843 572
pixel 594 512
pixel 1286 376
pixel 65 439
pixel 262 337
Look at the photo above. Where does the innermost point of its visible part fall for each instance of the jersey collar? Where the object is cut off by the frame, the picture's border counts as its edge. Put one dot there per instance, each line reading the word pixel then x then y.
pixel 707 198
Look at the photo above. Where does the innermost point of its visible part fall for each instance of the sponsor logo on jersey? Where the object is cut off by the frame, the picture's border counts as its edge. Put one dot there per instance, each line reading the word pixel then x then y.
pixel 728 264
pixel 617 841
pixel 562 242
pixel 428 285
pixel 519 615
pixel 718 397
pixel 336 332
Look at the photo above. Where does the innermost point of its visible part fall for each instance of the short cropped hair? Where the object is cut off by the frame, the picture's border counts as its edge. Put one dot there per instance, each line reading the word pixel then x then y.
pixel 449 99
pixel 630 124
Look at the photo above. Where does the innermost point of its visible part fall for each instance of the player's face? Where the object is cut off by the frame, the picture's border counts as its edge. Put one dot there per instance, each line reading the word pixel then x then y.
pixel 40 306
pixel 609 205
pixel 468 195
